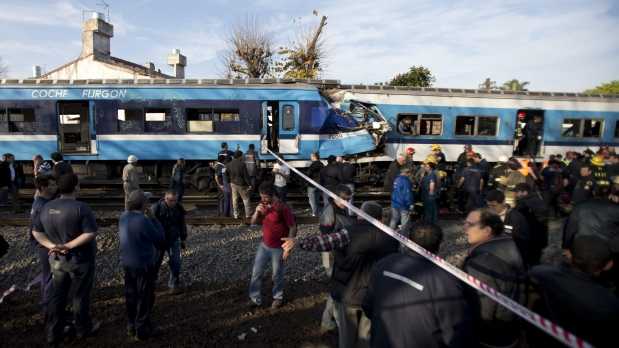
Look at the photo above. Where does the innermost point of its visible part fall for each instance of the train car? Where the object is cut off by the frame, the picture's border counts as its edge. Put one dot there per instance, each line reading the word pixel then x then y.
pixel 491 121
pixel 99 121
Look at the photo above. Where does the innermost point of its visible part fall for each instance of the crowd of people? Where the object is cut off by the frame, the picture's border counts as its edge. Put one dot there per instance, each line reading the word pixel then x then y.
pixel 380 294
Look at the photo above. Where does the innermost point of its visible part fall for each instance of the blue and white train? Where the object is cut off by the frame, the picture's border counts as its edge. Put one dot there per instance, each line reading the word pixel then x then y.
pixel 159 120
pixel 491 121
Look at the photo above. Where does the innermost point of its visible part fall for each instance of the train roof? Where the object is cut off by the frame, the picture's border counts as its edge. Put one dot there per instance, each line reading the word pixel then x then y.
pixel 325 84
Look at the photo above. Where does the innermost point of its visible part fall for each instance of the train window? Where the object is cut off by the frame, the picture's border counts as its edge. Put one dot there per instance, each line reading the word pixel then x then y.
pixel 288 119
pixel 582 128
pixel 487 126
pixel 465 125
pixel 155 120
pixel 407 124
pixel 130 120
pixel 199 120
pixel 226 115
pixel 431 124
pixel 617 129
pixel 21 120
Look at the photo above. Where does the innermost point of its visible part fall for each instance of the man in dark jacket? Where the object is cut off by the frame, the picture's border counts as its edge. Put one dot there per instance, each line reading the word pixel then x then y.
pixel 356 251
pixel 330 177
pixel 348 173
pixel 413 303
pixel 532 136
pixel 531 205
pixel 224 204
pixel 394 170
pixel 60 166
pixel 177 179
pixel 312 192
pixel 571 296
pixel 471 183
pixel 494 259
pixel 240 184
pixel 141 239
pixel 515 223
pixel 12 177
pixel 585 185
pixel 171 215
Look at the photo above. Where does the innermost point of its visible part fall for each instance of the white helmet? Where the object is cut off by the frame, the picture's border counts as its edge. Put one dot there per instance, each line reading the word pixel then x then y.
pixel 132 159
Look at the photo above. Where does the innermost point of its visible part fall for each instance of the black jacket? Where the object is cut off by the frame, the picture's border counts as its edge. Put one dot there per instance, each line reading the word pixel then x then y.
pixel 392 173
pixel 334 218
pixel 576 302
pixel 331 175
pixel 172 220
pixel 535 211
pixel 237 172
pixel 353 264
pixel 520 232
pixel 4 246
pixel 314 170
pixel 599 217
pixel 348 173
pixel 413 303
pixel 497 263
pixel 5 174
pixel 61 168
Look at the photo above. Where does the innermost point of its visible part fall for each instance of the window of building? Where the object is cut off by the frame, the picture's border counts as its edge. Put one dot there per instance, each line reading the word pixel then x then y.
pixel 130 120
pixel 582 128
pixel 288 123
pixel 420 124
pixel 486 126
pixel 20 120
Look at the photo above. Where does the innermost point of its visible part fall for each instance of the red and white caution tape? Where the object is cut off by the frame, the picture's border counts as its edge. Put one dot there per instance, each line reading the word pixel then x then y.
pixel 544 324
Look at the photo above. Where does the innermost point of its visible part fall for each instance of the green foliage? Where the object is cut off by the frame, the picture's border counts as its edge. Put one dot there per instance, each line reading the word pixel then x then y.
pixel 302 60
pixel 611 87
pixel 488 84
pixel 515 85
pixel 417 76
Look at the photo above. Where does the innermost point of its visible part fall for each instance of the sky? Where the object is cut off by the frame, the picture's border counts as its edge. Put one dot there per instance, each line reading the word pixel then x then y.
pixel 565 45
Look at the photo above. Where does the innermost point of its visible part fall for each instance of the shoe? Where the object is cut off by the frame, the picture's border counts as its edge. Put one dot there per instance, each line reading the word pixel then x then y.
pixel 253 304
pixel 93 331
pixel 277 303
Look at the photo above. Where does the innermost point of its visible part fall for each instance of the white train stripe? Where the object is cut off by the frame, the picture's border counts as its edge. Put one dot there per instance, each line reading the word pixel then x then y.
pixel 478 101
pixel 161 137
pixel 490 152
pixel 28 137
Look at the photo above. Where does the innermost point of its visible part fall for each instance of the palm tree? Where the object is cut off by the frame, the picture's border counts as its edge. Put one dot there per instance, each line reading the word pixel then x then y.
pixel 488 84
pixel 515 85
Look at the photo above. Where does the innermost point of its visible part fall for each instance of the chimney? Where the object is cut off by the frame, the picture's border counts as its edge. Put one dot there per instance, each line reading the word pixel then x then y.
pixel 178 62
pixel 36 71
pixel 96 35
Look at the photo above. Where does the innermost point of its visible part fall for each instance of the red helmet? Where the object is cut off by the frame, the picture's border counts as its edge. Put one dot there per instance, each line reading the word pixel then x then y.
pixel 410 151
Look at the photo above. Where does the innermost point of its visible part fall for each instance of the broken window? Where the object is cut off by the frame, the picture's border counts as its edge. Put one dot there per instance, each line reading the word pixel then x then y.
pixel 199 120
pixel 477 125
pixel 156 120
pixel 130 120
pixel 21 120
pixel 407 124
pixel 431 124
pixel 582 128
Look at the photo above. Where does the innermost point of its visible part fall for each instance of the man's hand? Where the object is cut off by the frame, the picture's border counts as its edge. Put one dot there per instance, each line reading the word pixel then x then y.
pixel 289 244
pixel 58 249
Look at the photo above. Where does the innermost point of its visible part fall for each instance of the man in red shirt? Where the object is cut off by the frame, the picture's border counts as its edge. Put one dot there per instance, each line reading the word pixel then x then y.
pixel 277 222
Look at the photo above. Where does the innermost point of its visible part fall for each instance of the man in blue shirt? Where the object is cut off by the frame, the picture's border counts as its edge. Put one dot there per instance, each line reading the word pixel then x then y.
pixel 401 198
pixel 429 191
pixel 46 188
pixel 140 239
pixel 67 227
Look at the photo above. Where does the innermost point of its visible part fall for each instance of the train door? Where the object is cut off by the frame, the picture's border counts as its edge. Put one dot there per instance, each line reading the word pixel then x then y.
pixel 529 133
pixel 269 137
pixel 289 127
pixel 75 126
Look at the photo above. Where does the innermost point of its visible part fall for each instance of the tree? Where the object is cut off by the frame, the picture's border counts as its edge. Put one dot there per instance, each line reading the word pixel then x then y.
pixel 611 87
pixel 417 76
pixel 304 59
pixel 515 85
pixel 3 69
pixel 249 53
pixel 488 84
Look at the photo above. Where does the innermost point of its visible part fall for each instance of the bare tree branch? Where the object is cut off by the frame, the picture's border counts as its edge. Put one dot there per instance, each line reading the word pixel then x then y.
pixel 304 59
pixel 249 53
pixel 3 69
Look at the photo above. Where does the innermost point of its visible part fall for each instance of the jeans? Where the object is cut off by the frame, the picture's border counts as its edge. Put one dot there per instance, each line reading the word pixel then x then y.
pixel 430 210
pixel 140 298
pixel 399 216
pixel 224 198
pixel 282 192
pixel 314 200
pixel 174 256
pixel 353 326
pixel 74 279
pixel 242 191
pixel 46 276
pixel 352 196
pixel 263 255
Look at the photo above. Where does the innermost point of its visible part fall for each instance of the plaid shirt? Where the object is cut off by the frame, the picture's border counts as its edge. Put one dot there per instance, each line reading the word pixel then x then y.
pixel 325 242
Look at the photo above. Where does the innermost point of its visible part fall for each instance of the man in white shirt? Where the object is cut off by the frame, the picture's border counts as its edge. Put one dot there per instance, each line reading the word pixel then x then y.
pixel 281 173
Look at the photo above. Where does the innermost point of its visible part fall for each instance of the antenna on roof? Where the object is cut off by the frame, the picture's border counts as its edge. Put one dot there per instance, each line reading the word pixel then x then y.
pixel 106 8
